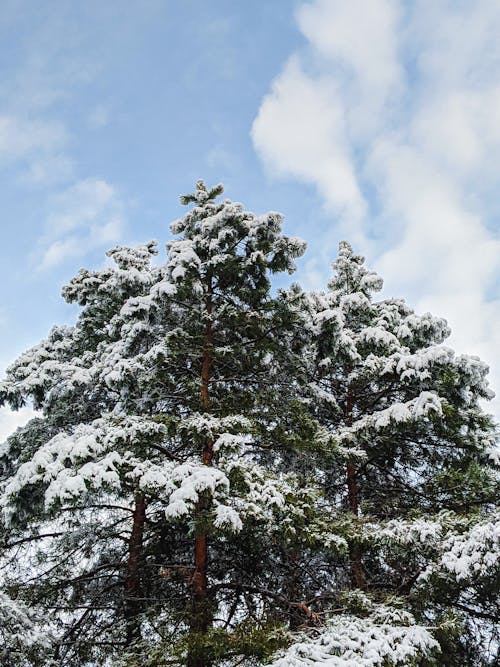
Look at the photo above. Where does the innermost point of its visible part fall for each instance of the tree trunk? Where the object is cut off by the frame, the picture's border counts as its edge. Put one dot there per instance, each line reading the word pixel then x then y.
pixel 201 611
pixel 133 593
pixel 295 613
pixel 357 576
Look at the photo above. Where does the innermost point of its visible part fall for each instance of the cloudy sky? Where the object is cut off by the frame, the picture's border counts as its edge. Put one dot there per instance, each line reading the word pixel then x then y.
pixel 377 121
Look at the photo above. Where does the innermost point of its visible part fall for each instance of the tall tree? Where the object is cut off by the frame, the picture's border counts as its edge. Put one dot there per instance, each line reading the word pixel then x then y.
pixel 227 324
pixel 417 481
pixel 213 463
pixel 151 406
pixel 74 513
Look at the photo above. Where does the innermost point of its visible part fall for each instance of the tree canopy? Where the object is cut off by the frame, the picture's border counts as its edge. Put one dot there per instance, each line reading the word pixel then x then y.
pixel 223 474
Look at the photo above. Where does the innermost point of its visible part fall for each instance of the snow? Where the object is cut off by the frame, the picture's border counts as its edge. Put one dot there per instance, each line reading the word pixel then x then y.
pixel 422 406
pixel 209 426
pixel 21 628
pixel 348 641
pixel 192 480
pixel 229 441
pixel 182 256
pixel 420 532
pixel 72 462
pixel 164 288
pixel 470 555
pixel 379 336
pixel 227 517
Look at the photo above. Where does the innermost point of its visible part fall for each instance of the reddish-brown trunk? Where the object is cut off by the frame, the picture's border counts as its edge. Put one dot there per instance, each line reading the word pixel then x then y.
pixel 201 612
pixel 357 576
pixel 133 592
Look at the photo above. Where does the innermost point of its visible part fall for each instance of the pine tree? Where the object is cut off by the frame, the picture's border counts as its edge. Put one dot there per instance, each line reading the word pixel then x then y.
pixel 218 471
pixel 69 495
pixel 151 429
pixel 228 326
pixel 413 485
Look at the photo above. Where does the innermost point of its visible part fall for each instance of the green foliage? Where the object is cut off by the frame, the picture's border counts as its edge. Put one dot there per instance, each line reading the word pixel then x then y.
pixel 304 435
pixel 249 643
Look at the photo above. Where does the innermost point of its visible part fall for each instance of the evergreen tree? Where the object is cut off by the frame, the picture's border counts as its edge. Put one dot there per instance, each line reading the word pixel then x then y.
pixel 217 471
pixel 70 504
pixel 415 492
pixel 152 429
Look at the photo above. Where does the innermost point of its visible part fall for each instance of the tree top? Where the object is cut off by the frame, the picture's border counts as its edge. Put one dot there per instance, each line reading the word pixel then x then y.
pixel 202 194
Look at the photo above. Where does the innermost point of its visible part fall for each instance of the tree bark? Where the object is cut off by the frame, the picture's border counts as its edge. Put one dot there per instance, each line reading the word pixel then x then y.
pixel 295 613
pixel 133 591
pixel 356 569
pixel 201 610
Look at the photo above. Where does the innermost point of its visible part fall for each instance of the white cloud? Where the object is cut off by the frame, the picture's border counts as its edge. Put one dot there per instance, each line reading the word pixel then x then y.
pixel 359 34
pixel 300 131
pixel 37 147
pixel 393 113
pixel 86 216
pixel 10 421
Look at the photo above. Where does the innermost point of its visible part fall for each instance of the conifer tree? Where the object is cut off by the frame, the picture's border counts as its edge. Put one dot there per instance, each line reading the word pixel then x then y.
pixel 151 412
pixel 217 471
pixel 70 502
pixel 413 480
pixel 227 324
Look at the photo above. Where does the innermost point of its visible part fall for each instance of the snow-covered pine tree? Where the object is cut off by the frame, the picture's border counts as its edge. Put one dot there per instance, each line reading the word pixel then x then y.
pixel 415 494
pixel 228 328
pixel 154 414
pixel 71 508
pixel 207 454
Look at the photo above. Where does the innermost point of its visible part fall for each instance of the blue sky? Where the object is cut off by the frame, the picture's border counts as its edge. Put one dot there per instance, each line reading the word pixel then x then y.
pixel 120 112
pixel 373 120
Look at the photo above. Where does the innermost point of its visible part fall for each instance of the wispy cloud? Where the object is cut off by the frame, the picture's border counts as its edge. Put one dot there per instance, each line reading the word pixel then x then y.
pixel 38 139
pixel 20 138
pixel 86 216
pixel 36 148
pixel 393 113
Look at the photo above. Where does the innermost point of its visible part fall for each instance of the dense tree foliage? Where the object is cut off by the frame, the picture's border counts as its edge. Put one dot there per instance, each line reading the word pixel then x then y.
pixel 223 475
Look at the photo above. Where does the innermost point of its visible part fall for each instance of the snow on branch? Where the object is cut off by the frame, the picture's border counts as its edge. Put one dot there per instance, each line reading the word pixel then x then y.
pixel 469 555
pixel 348 641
